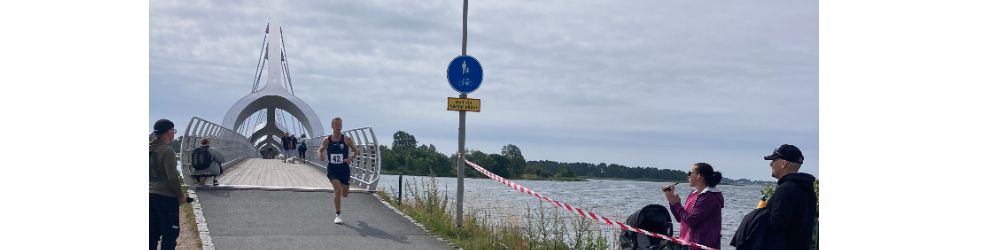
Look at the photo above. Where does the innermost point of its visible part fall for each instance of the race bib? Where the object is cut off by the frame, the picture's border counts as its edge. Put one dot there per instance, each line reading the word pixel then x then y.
pixel 336 158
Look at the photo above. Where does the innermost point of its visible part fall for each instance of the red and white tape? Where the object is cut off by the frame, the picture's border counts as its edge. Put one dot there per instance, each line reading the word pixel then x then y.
pixel 590 215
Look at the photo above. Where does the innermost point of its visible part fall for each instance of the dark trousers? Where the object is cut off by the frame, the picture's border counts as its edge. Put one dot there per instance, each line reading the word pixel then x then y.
pixel 164 220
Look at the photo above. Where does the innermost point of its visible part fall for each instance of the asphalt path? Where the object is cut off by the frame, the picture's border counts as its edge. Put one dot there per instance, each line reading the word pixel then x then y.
pixel 256 219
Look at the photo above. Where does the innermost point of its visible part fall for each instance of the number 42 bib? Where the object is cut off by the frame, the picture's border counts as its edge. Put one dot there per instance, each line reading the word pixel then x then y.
pixel 336 158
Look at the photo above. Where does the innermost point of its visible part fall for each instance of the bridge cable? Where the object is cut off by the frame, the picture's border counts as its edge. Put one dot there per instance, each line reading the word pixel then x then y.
pixel 282 121
pixel 284 58
pixel 259 60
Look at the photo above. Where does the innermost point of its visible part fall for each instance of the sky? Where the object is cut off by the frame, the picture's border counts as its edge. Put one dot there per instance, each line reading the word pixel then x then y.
pixel 638 83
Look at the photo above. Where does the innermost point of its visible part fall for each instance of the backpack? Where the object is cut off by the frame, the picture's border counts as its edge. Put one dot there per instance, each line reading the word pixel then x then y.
pixel 201 159
pixel 654 218
pixel 302 145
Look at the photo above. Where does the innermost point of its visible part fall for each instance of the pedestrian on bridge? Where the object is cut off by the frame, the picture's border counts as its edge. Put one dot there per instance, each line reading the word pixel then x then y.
pixel 214 170
pixel 165 192
pixel 294 145
pixel 302 149
pixel 286 146
pixel 338 169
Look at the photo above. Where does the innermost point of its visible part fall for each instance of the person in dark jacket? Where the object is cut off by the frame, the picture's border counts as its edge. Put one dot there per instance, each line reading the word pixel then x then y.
pixel 286 147
pixel 793 205
pixel 302 149
pixel 701 215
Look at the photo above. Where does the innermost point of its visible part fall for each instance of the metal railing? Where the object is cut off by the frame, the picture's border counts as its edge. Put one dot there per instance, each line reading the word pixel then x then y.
pixel 233 146
pixel 364 170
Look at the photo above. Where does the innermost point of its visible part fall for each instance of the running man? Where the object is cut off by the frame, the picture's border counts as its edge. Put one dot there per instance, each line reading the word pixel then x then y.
pixel 338 170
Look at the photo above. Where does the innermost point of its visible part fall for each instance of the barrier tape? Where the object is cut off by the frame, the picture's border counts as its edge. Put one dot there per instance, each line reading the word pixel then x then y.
pixel 590 215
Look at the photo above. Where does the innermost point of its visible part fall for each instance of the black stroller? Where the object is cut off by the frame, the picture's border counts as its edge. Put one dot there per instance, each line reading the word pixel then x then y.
pixel 654 218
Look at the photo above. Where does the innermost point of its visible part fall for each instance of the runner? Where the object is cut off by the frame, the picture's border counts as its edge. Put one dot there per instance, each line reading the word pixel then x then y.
pixel 338 170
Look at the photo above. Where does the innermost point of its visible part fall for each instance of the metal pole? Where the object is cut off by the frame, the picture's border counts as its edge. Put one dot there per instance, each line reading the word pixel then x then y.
pixel 399 201
pixel 465 19
pixel 461 130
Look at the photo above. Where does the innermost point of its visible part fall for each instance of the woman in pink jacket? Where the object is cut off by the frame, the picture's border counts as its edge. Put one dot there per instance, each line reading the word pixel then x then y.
pixel 701 214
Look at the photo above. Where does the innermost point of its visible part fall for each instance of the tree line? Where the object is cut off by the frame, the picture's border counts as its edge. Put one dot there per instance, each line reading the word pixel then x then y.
pixel 406 157
pixel 409 159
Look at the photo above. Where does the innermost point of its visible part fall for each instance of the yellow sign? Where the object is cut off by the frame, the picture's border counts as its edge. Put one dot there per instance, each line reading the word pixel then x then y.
pixel 463 104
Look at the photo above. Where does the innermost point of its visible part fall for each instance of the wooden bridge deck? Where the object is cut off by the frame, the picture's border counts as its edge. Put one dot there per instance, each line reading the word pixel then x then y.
pixel 274 174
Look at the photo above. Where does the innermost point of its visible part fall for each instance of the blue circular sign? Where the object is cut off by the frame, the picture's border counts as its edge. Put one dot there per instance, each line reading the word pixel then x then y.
pixel 465 74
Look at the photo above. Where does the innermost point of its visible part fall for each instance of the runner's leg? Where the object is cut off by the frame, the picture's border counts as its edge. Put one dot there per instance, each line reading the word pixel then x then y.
pixel 336 191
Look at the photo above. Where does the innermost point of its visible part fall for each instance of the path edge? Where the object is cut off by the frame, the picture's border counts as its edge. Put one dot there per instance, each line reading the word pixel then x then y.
pixel 199 218
pixel 413 221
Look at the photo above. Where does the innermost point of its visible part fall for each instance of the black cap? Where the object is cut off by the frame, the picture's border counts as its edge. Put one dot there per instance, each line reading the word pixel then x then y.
pixel 786 152
pixel 162 126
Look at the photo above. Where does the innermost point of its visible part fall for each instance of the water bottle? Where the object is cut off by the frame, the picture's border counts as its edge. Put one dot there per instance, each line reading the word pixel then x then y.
pixel 763 202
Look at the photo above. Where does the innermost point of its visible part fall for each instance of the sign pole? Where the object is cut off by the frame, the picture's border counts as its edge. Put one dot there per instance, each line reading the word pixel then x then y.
pixel 461 131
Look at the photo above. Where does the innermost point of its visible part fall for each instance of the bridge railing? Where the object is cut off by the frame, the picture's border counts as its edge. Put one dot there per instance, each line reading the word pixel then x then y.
pixel 233 146
pixel 365 169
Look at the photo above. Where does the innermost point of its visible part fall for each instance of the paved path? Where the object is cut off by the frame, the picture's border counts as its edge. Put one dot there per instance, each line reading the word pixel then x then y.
pixel 255 219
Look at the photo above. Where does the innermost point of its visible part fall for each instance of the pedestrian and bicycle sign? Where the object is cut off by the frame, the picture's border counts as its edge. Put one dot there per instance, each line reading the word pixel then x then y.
pixel 465 74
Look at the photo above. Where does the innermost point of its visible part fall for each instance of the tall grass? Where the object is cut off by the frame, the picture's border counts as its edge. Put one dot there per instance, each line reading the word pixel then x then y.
pixel 502 225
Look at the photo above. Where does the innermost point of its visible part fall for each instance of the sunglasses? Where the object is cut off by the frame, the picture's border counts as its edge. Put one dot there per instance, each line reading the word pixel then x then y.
pixel 690 173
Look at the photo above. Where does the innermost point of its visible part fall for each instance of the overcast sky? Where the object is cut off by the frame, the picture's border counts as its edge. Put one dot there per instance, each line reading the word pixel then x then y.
pixel 661 84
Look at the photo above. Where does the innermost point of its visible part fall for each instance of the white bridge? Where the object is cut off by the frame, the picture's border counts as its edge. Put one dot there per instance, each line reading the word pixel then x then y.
pixel 260 119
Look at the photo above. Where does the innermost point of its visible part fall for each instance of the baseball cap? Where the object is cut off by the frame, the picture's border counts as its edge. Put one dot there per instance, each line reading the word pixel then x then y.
pixel 162 126
pixel 786 152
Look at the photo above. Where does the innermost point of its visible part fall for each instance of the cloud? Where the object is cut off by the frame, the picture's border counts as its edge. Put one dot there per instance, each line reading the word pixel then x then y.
pixel 645 77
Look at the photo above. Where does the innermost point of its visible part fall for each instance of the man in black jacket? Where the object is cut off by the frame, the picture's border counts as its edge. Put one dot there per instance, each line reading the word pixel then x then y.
pixel 793 205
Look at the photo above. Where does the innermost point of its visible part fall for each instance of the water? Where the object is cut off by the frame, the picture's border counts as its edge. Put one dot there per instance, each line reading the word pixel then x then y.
pixel 615 199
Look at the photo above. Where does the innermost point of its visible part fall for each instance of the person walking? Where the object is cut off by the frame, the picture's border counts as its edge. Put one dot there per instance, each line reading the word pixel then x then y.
pixel 302 149
pixel 286 142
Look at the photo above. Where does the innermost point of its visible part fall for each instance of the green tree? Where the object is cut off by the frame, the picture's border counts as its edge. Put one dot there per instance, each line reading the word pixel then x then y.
pixel 176 144
pixel 515 161
pixel 482 159
pixel 403 140
pixel 389 161
pixel 501 166
pixel 566 171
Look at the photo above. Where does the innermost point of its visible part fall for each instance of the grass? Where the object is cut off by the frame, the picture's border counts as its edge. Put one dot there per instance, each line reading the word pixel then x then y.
pixel 496 227
pixel 192 224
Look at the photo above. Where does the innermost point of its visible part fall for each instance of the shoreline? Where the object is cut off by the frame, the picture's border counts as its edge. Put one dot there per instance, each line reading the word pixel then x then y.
pixel 580 178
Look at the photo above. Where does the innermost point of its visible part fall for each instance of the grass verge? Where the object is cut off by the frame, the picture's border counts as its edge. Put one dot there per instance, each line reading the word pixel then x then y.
pixel 192 224
pixel 500 227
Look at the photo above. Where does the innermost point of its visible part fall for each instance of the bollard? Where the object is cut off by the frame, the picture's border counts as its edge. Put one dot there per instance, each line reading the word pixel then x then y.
pixel 399 201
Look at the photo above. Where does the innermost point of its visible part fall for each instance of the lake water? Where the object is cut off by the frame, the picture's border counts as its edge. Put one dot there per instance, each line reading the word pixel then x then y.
pixel 615 199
